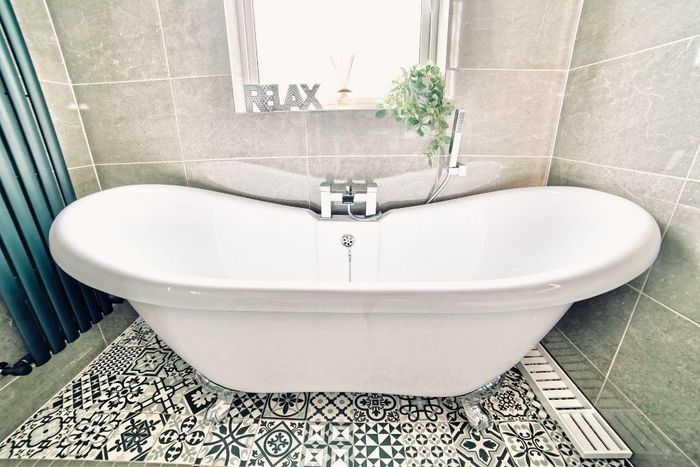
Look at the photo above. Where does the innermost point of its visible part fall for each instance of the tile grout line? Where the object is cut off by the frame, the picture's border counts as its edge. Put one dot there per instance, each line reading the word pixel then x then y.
pixel 550 70
pixel 626 169
pixel 72 91
pixel 678 313
pixel 646 279
pixel 172 93
pixel 146 80
pixel 563 95
pixel 688 38
pixel 579 351
pixel 651 422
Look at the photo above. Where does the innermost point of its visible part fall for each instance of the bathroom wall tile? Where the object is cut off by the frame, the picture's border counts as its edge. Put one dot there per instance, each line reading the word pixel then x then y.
pixel 695 170
pixel 675 276
pixel 507 112
pixel 35 23
pixel 658 368
pixel 691 194
pixel 84 180
pixel 104 40
pixel 129 122
pixel 207 120
pixel 402 180
pixel 486 174
pixel 359 132
pixel 26 394
pixel 609 29
pixel 12 347
pixel 281 180
pixel 66 119
pixel 121 317
pixel 167 173
pixel 596 325
pixel 651 448
pixel 586 376
pixel 638 112
pixel 655 193
pixel 512 34
pixel 195 37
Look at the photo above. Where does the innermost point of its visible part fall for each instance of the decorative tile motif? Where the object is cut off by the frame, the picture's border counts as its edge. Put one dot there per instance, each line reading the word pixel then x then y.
pixel 228 443
pixel 375 408
pixel 134 437
pixel 91 432
pixel 278 443
pixel 421 408
pixel 378 444
pixel 180 441
pixel 328 444
pixel 529 444
pixel 480 448
pixel 287 405
pixel 139 401
pixel 330 406
pixel 429 443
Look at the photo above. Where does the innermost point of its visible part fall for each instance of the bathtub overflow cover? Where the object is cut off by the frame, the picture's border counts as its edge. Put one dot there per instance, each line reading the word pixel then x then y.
pixel 347 240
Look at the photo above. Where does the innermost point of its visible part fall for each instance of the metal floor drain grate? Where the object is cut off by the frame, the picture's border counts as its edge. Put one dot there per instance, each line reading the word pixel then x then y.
pixel 588 431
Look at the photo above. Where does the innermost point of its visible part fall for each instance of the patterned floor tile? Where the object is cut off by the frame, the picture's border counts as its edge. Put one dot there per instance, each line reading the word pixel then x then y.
pixel 479 448
pixel 327 444
pixel 375 408
pixel 330 407
pixel 248 405
pixel 529 444
pixel 122 394
pixel 83 391
pixel 228 443
pixel 161 396
pixel 287 405
pixel 378 444
pixel 134 437
pixel 150 362
pixel 139 334
pixel 429 443
pixel 115 360
pixel 278 443
pixel 88 436
pixel 180 441
pixel 42 432
pixel 421 408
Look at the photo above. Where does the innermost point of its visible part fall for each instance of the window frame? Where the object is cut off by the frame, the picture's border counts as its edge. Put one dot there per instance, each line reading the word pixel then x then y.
pixel 240 30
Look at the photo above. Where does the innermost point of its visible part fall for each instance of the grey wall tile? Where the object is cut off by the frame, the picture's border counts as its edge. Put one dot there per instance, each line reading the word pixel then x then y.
pixel 359 132
pixel 507 112
pixel 486 174
pixel 695 170
pixel 41 41
pixel 512 34
pixel 26 394
pixel 66 119
pixel 105 40
pixel 596 325
pixel 195 37
pixel 84 180
pixel 121 317
pixel 12 346
pixel 610 28
pixel 167 173
pixel 651 448
pixel 282 180
pixel 402 180
pixel 207 120
pixel 640 112
pixel 655 193
pixel 586 376
pixel 658 368
pixel 675 276
pixel 129 122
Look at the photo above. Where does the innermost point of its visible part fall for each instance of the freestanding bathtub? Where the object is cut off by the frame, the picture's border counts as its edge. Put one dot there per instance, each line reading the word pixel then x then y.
pixel 432 300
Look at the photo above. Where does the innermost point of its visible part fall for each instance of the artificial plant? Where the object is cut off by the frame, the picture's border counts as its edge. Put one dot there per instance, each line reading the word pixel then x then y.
pixel 417 97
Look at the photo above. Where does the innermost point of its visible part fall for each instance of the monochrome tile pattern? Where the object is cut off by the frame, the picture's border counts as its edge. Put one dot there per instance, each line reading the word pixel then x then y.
pixel 139 401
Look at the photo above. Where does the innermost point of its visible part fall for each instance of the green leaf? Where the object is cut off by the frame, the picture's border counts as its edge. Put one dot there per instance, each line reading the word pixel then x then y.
pixel 381 113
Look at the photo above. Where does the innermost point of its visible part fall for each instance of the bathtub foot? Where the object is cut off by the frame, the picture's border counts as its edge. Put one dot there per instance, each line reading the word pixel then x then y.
pixel 471 403
pixel 224 399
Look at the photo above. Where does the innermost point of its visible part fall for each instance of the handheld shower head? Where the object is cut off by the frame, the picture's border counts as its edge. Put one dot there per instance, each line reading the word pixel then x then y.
pixel 457 131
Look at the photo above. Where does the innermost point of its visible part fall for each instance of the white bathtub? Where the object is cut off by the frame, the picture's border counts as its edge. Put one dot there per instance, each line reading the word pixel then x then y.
pixel 443 297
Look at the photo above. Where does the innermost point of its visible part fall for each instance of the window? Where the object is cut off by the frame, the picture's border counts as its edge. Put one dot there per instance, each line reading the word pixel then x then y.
pixel 359 45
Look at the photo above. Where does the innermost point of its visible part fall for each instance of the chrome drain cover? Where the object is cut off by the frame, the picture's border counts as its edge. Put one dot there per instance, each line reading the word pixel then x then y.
pixel 347 240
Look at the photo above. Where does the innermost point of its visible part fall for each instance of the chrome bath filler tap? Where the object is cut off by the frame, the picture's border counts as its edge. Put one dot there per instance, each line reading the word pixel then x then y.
pixel 349 196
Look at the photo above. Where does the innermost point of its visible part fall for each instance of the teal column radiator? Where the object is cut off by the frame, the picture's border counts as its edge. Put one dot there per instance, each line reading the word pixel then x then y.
pixel 48 307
